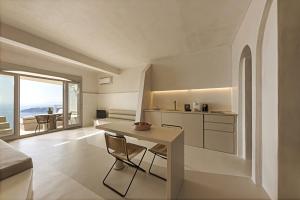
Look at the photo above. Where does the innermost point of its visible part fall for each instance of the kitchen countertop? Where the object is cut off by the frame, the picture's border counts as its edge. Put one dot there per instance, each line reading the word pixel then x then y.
pixel 192 112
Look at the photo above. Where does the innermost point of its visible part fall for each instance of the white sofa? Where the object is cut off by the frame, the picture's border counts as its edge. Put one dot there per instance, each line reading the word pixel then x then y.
pixel 17 187
pixel 15 173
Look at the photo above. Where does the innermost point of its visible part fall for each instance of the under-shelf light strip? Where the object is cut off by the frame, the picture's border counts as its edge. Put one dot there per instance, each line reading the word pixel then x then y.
pixel 192 90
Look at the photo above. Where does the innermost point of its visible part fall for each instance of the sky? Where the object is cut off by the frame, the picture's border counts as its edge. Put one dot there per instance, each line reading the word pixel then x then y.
pixel 7 97
pixel 40 93
pixel 6 90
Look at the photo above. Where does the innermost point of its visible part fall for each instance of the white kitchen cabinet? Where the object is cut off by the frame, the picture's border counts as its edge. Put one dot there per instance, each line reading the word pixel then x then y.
pixel 172 118
pixel 192 124
pixel 153 117
pixel 204 130
pixel 219 127
pixel 219 141
pixel 229 119
pixel 193 129
pixel 219 133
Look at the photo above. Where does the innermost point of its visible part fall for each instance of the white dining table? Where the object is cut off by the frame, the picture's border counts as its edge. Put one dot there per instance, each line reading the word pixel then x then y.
pixel 173 138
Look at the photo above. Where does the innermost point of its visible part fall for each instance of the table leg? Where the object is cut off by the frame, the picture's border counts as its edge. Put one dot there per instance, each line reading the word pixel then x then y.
pixel 175 168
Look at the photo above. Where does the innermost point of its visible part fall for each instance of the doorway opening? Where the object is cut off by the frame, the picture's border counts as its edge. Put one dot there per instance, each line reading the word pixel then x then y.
pixel 245 105
pixel 41 105
pixel 33 103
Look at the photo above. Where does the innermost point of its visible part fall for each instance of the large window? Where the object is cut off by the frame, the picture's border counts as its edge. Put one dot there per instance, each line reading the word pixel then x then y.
pixel 6 105
pixel 33 103
pixel 41 105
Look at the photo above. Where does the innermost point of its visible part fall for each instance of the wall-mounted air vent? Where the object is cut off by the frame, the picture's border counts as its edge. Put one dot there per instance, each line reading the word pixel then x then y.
pixel 106 80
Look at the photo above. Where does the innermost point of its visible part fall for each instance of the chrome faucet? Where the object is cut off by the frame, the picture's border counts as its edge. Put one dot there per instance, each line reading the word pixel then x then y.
pixel 175 105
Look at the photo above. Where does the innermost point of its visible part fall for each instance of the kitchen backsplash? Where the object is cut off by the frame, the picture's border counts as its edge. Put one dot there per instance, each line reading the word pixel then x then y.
pixel 217 99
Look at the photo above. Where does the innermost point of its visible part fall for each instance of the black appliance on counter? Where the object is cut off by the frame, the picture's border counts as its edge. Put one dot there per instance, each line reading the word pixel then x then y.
pixel 101 114
pixel 205 108
pixel 187 107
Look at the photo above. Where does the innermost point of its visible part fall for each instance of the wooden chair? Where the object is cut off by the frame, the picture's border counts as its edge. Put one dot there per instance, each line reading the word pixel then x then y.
pixel 41 119
pixel 70 118
pixel 59 120
pixel 160 150
pixel 118 147
pixel 60 117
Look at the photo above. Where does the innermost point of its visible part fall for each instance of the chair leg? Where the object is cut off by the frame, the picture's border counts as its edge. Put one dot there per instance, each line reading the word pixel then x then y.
pixel 132 164
pixel 151 163
pixel 109 172
pixel 36 128
pixel 137 167
pixel 154 173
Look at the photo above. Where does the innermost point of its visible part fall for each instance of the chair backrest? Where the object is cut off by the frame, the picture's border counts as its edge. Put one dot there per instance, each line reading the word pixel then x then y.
pixel 59 117
pixel 116 143
pixel 42 119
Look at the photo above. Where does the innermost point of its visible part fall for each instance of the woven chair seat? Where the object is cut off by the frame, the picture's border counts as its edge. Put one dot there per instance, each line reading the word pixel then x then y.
pixel 132 150
pixel 159 149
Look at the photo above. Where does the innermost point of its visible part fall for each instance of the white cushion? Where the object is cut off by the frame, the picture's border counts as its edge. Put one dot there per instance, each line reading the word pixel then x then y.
pixel 122 114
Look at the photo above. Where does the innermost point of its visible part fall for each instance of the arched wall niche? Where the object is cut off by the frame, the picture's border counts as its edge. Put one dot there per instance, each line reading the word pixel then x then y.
pixel 244 137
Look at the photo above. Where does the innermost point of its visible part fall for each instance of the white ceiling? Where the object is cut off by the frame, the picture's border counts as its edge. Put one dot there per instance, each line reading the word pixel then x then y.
pixel 128 33
pixel 20 57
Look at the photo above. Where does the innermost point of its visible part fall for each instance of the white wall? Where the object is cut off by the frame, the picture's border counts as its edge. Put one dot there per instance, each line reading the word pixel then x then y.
pixel 289 98
pixel 123 92
pixel 210 68
pixel 270 104
pixel 89 107
pixel 206 69
pixel 249 35
pixel 127 81
pixel 144 99
pixel 126 100
pixel 89 78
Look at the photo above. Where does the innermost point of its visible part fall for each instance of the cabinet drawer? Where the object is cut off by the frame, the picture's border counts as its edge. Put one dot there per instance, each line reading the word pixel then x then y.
pixel 219 118
pixel 172 119
pixel 219 141
pixel 219 127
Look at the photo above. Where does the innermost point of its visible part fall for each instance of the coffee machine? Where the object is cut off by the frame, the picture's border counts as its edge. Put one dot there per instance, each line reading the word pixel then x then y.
pixel 204 107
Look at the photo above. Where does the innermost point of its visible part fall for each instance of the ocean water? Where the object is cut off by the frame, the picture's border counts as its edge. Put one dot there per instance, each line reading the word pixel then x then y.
pixel 7 110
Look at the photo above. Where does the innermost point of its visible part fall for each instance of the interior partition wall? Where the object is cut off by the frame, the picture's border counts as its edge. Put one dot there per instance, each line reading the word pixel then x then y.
pixel 66 113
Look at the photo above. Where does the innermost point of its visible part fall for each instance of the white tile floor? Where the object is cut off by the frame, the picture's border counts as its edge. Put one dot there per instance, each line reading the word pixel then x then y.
pixel 71 165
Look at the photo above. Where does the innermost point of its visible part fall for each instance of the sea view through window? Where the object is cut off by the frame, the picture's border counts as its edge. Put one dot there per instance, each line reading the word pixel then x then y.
pixel 38 95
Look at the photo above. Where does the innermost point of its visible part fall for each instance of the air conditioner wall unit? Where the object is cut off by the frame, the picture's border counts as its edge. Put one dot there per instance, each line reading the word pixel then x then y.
pixel 106 80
